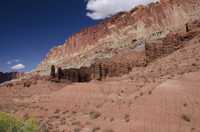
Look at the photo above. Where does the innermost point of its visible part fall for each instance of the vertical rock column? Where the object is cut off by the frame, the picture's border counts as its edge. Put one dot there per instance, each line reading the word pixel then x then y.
pixel 92 72
pixel 97 70
pixel 103 70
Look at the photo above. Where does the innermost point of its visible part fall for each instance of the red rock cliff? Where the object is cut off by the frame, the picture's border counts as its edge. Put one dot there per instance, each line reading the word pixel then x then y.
pixel 136 23
pixel 9 76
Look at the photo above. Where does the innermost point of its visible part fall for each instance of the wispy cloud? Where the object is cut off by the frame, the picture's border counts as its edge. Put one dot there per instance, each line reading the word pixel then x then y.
pixel 9 62
pixel 16 60
pixel 101 9
pixel 18 66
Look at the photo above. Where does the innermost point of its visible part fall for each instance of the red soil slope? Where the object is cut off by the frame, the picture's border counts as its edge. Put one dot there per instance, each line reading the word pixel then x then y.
pixel 152 98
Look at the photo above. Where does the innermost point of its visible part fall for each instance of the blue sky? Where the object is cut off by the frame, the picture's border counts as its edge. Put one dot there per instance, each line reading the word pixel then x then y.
pixel 30 28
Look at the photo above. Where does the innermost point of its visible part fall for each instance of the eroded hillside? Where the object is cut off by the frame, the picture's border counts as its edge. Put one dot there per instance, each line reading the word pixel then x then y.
pixel 142 23
pixel 161 96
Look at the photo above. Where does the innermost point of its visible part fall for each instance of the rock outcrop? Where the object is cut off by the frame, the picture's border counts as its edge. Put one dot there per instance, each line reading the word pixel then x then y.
pixel 26 82
pixel 11 75
pixel 172 42
pixel 137 23
pixel 192 25
pixel 114 68
pixel 73 75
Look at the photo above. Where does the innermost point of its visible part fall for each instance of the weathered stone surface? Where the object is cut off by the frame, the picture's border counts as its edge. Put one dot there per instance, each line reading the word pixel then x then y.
pixel 114 68
pixel 77 75
pixel 59 74
pixel 52 71
pixel 171 43
pixel 136 23
pixel 9 76
pixel 141 62
pixel 27 82
pixel 192 25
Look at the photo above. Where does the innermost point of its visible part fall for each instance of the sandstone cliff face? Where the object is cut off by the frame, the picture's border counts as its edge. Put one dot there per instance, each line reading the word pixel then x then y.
pixel 9 76
pixel 139 22
pixel 172 42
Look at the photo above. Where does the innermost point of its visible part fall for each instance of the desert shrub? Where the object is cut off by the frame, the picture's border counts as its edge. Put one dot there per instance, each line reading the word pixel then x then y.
pixel 127 119
pixel 74 112
pixel 57 111
pixel 52 71
pixel 185 117
pixel 88 123
pixel 96 128
pixel 126 116
pixel 150 91
pixel 194 64
pixel 111 119
pixel 94 114
pixel 76 123
pixel 64 112
pixel 108 130
pixel 136 97
pixel 11 123
pixel 77 129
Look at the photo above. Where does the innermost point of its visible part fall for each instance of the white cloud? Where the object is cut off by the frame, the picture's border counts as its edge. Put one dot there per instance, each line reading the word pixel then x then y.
pixel 16 60
pixel 18 66
pixel 9 62
pixel 101 9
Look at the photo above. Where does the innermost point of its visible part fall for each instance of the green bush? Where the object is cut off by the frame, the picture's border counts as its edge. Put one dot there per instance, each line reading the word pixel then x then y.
pixel 11 123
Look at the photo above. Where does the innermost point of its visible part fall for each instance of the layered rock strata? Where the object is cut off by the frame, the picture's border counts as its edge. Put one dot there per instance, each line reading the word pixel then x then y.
pixel 26 82
pixel 73 75
pixel 116 67
pixel 137 23
pixel 172 42
pixel 9 76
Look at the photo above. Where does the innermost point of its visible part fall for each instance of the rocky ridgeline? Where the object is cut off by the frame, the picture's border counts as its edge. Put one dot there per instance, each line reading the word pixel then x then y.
pixel 140 22
pixel 11 75
pixel 100 70
pixel 117 67
pixel 26 82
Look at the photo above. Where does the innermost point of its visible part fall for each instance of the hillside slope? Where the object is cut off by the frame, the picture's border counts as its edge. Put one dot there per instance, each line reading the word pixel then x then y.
pixel 158 97
pixel 142 23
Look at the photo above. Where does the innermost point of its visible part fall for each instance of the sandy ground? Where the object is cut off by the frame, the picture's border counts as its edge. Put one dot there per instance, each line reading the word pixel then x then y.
pixel 150 99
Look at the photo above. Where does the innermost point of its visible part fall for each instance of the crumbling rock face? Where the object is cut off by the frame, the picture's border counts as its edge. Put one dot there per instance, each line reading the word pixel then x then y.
pixel 192 25
pixel 99 70
pixel 52 71
pixel 26 82
pixel 9 76
pixel 165 47
pixel 74 75
pixel 138 22
pixel 71 74
pixel 59 73
pixel 171 43
pixel 84 74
